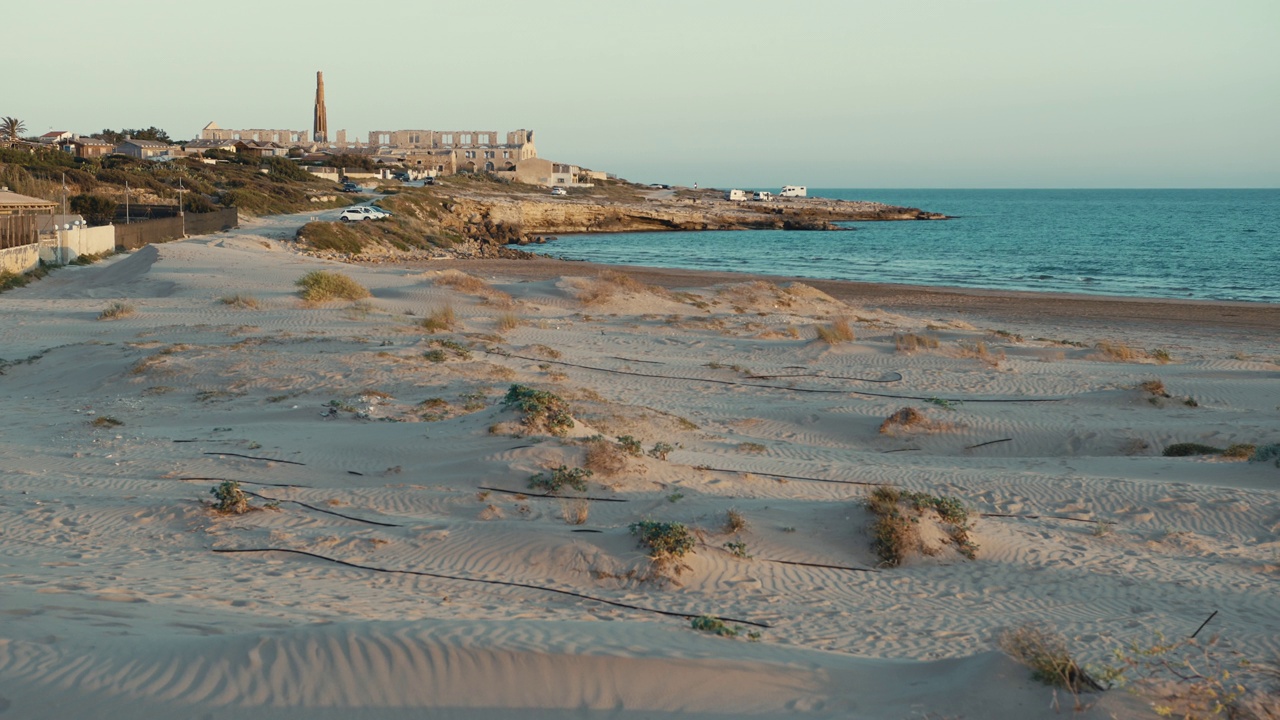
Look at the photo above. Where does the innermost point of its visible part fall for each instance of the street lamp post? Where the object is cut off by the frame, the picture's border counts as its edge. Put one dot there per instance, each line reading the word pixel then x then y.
pixel 126 202
pixel 182 211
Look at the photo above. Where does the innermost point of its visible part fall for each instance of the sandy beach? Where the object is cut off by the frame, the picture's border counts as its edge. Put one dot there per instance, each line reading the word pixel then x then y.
pixel 398 563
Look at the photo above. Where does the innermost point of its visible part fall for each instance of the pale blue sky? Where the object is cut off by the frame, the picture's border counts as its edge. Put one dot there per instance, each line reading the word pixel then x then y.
pixel 827 93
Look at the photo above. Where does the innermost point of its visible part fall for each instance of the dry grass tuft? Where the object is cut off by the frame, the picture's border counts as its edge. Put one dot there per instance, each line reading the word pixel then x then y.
pixel 322 285
pixel 979 351
pixel 243 302
pixel 1046 653
pixel 459 280
pixel 911 342
pixel 575 512
pixel 608 284
pixel 441 319
pixel 1108 350
pixel 508 322
pixel 1154 387
pixel 837 332
pixel 904 418
pixel 734 521
pixel 1240 451
pixel 605 458
pixel 115 311
pixel 472 285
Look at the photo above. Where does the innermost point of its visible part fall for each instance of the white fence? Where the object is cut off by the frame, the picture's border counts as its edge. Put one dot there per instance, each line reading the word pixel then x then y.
pixel 65 246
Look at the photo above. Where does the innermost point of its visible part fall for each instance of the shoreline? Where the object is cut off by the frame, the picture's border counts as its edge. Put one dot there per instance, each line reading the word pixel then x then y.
pixel 1068 309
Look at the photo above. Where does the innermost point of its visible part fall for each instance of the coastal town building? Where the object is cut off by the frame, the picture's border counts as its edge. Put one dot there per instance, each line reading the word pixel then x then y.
pixel 288 138
pixel 198 147
pixel 55 137
pixel 87 148
pixel 147 149
pixel 428 152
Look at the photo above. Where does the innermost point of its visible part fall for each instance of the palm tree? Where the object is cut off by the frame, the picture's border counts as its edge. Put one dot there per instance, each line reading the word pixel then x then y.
pixel 11 128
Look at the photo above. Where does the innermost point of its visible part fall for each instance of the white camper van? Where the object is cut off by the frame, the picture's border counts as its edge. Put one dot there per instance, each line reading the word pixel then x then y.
pixel 735 195
pixel 794 191
pixel 762 195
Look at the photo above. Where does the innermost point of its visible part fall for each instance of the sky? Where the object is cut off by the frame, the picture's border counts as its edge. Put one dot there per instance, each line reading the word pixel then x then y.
pixel 747 93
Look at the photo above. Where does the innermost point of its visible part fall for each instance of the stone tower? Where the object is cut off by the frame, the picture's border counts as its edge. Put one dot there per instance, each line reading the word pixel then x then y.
pixel 320 133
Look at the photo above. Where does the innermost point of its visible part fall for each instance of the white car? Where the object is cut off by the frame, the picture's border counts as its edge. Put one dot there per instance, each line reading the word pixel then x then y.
pixel 559 191
pixel 362 212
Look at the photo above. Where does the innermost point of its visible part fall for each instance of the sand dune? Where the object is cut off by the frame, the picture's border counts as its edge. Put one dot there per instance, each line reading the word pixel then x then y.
pixel 388 448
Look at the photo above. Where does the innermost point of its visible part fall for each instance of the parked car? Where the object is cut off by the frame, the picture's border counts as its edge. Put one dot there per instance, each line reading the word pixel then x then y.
pixel 559 191
pixel 350 187
pixel 362 212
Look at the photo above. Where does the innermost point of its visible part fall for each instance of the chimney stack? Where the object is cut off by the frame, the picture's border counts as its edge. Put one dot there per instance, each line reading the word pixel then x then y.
pixel 320 132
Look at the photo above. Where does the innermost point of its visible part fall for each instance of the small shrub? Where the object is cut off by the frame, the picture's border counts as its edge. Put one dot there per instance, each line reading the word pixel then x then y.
pixel 714 625
pixel 229 499
pixel 106 421
pixel 1162 356
pixel 542 410
pixel 1046 653
pixel 115 311
pixel 1189 449
pixel 1188 679
pixel 1266 453
pixel 663 539
pixel 911 342
pixel 630 445
pixel 734 521
pixel 660 450
pixel 322 285
pixel 751 447
pixel 575 478
pixel 441 319
pixel 1240 451
pixel 436 355
pixel 244 302
pixel 837 332
pixel 738 549
pixel 895 530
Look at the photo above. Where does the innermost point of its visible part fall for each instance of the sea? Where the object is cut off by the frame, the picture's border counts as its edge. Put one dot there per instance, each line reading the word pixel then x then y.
pixel 1189 244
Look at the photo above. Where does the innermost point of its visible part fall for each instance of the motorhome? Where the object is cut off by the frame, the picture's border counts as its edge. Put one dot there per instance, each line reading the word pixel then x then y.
pixel 735 195
pixel 794 191
pixel 762 195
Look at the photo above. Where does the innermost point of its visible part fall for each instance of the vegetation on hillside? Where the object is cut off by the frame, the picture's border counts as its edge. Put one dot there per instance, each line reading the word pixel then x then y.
pixel 237 182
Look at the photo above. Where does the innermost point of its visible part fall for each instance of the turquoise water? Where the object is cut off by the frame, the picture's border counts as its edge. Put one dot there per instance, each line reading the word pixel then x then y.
pixel 1199 244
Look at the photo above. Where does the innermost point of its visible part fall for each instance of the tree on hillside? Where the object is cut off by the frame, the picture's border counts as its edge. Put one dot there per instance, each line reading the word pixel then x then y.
pixel 151 133
pixel 11 128
pixel 97 210
pixel 354 162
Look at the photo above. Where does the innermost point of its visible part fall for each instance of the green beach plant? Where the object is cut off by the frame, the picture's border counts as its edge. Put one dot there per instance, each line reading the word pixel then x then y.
pixel 322 285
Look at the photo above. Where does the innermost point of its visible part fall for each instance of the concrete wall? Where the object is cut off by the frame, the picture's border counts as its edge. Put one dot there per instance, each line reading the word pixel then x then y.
pixel 71 244
pixel 19 259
